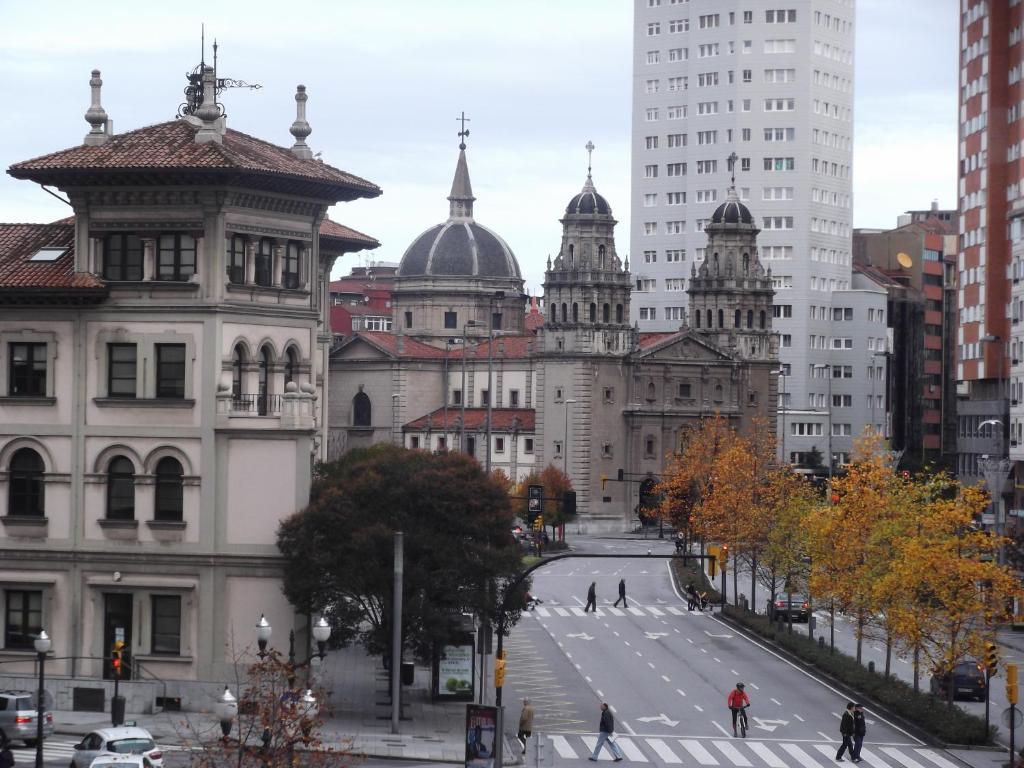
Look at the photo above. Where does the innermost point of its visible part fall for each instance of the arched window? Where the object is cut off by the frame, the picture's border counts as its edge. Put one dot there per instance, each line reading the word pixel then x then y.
pixel 763 320
pixel 736 320
pixel 575 312
pixel 361 410
pixel 554 312
pixel 237 365
pixel 719 393
pixel 618 313
pixel 264 261
pixel 565 312
pixel 750 318
pixel 652 392
pixel 572 255
pixel 600 256
pixel 25 489
pixel 606 313
pixel 291 365
pixel 696 317
pixel 711 322
pixel 746 263
pixel 169 491
pixel 721 318
pixel 264 382
pixel 120 489
pixel 593 312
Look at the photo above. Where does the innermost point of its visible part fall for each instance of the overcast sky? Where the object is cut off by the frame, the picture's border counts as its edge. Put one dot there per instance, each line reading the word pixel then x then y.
pixel 386 81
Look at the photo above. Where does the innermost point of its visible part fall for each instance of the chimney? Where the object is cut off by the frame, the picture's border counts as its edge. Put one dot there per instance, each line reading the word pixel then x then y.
pixel 211 127
pixel 300 128
pixel 935 204
pixel 96 116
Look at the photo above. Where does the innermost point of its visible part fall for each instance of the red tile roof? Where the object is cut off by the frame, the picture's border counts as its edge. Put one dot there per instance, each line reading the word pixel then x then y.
pixel 172 146
pixel 24 279
pixel 410 347
pixel 648 340
pixel 332 230
pixel 505 348
pixel 534 321
pixel 502 419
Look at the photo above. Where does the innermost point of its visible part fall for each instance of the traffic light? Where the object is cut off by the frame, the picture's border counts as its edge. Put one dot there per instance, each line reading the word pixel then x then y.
pixel 725 556
pixel 991 658
pixel 1011 683
pixel 905 474
pixel 713 553
pixel 115 657
pixel 534 501
pixel 499 673
pixel 538 523
pixel 569 504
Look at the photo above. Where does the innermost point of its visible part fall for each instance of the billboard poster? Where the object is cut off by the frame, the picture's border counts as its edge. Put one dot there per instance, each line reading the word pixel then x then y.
pixel 481 733
pixel 455 671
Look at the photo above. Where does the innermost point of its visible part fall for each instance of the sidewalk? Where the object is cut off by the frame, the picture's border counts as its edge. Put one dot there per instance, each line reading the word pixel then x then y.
pixel 357 716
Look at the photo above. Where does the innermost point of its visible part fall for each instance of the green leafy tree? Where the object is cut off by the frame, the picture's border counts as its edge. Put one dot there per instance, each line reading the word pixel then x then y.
pixel 457 537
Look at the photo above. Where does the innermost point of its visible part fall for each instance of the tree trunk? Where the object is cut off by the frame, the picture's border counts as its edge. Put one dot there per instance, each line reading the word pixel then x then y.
pixel 888 652
pixel 917 668
pixel 860 635
pixel 735 578
pixel 753 582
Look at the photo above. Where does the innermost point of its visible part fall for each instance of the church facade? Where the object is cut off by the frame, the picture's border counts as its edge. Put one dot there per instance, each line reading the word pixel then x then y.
pixel 466 368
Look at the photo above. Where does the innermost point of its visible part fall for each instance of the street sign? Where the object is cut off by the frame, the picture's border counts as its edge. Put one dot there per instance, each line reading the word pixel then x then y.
pixel 988 518
pixel 118 634
pixel 535 500
pixel 1016 714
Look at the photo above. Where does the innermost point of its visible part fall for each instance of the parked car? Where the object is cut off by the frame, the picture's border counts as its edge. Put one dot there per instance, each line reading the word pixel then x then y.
pixel 121 761
pixel 116 741
pixel 969 682
pixel 18 717
pixel 791 605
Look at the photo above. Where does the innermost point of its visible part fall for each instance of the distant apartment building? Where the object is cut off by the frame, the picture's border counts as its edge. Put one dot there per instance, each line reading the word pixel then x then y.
pixel 771 88
pixel 916 261
pixel 361 301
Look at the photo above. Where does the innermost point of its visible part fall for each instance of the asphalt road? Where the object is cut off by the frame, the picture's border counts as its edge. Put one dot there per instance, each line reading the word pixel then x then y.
pixel 666 673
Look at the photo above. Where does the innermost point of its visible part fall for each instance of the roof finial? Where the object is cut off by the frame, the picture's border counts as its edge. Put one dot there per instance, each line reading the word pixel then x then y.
pixel 96 116
pixel 461 197
pixel 300 128
pixel 731 161
pixel 465 131
pixel 590 151
pixel 209 113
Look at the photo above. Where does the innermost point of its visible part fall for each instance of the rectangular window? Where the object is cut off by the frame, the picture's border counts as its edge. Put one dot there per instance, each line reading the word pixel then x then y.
pixel 676 113
pixel 650 200
pixel 653 29
pixel 170 370
pixel 676 140
pixel 678 254
pixel 166 636
pixel 675 169
pixel 485 397
pixel 122 257
pixel 651 115
pixel 414 442
pixel 685 390
pixel 290 267
pixel 528 445
pixel 651 142
pixel 176 257
pixel 451 319
pixel 499 445
pixel 408 319
pixel 27 370
pixel 496 319
pixel 652 57
pixel 678 25
pixel 651 86
pixel 650 171
pixel 675 198
pixel 24 619
pixel 513 398
pixel 677 84
pixel 121 370
pixel 650 257
pixel 677 54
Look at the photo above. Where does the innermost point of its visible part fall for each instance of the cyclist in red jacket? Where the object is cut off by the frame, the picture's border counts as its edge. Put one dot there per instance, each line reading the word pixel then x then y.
pixel 737 700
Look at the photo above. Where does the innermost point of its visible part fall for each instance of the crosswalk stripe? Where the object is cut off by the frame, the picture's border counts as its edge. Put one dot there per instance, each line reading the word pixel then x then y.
pixel 873 760
pixel 577 610
pixel 630 750
pixel 733 754
pixel 801 757
pixel 591 742
pixel 654 611
pixel 615 611
pixel 827 750
pixel 905 759
pixel 936 758
pixel 542 612
pixel 677 612
pixel 561 611
pixel 636 611
pixel 770 758
pixel 561 745
pixel 700 754
pixel 662 750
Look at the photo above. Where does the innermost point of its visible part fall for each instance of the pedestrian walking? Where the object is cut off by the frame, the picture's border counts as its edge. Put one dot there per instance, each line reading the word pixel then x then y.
pixel 606 735
pixel 691 597
pixel 622 594
pixel 860 729
pixel 591 598
pixel 525 724
pixel 6 756
pixel 846 731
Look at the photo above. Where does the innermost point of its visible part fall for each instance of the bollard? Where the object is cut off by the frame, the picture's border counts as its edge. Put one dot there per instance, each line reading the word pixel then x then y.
pixel 821 641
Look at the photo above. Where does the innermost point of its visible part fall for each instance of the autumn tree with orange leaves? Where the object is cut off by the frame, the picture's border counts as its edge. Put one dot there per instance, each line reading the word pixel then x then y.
pixel 555 483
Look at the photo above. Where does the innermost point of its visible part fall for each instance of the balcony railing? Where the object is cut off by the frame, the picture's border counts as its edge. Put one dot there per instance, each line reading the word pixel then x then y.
pixel 256 405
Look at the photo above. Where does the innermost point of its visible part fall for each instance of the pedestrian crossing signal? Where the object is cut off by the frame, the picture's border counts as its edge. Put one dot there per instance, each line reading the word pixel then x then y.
pixel 115 657
pixel 538 523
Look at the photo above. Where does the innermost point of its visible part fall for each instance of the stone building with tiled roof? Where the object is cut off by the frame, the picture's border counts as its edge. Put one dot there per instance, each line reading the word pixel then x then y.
pixel 164 356
pixel 578 386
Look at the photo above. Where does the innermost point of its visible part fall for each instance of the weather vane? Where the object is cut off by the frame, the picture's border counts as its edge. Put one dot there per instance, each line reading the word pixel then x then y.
pixel 465 131
pixel 590 152
pixel 194 89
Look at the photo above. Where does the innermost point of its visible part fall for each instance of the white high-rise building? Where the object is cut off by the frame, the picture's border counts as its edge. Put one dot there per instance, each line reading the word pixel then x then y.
pixel 771 84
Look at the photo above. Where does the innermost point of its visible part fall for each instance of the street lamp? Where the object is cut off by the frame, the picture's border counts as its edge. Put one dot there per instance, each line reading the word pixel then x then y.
pixel 42 643
pixel 462 415
pixel 828 367
pixel 263 632
pixel 781 373
pixel 227 708
pixel 497 296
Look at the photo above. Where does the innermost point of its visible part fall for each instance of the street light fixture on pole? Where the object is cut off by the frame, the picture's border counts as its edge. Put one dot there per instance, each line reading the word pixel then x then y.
pixel 828 367
pixel 462 415
pixel 497 296
pixel 42 644
pixel 781 373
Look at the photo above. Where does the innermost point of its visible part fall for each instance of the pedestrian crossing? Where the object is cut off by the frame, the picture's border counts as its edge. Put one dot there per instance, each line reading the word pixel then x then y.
pixel 743 753
pixel 52 749
pixel 657 611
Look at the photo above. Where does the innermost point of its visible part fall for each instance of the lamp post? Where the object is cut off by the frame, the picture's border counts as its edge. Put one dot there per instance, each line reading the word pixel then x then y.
pixel 445 388
pixel 781 373
pixel 227 708
pixel 42 644
pixel 462 415
pixel 828 367
pixel 568 402
pixel 396 429
pixel 497 296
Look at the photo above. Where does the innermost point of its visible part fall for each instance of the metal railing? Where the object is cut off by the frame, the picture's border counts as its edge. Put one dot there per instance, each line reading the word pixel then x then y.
pixel 257 405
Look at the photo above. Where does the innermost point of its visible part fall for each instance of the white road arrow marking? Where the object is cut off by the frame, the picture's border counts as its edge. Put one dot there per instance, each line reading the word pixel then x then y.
pixel 769 725
pixel 660 601
pixel 709 634
pixel 581 636
pixel 663 718
pixel 655 635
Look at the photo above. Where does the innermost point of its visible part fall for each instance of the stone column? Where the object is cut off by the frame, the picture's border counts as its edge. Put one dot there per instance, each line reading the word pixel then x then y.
pixel 148 258
pixel 278 266
pixel 250 260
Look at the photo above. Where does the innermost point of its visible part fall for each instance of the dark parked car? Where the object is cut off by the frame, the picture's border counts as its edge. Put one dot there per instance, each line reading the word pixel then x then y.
pixel 791 605
pixel 969 682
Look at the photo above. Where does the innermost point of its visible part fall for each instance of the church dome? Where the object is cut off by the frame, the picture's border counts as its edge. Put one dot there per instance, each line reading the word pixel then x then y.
pixel 588 201
pixel 732 211
pixel 460 247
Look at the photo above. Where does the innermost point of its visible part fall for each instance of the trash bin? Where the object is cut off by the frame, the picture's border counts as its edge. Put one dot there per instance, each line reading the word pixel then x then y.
pixel 117 711
pixel 408 672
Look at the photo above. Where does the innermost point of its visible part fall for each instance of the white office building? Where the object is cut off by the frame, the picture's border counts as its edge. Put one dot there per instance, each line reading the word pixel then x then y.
pixel 772 85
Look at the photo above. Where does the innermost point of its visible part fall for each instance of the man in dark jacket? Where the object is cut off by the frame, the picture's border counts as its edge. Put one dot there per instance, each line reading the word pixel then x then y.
pixel 6 756
pixel 622 595
pixel 591 598
pixel 860 729
pixel 605 735
pixel 846 731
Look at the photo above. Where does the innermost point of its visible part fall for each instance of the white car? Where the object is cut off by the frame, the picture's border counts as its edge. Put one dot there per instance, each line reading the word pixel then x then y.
pixel 107 742
pixel 121 761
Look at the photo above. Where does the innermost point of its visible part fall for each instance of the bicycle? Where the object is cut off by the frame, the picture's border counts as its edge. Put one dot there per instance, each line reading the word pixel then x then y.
pixel 741 719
